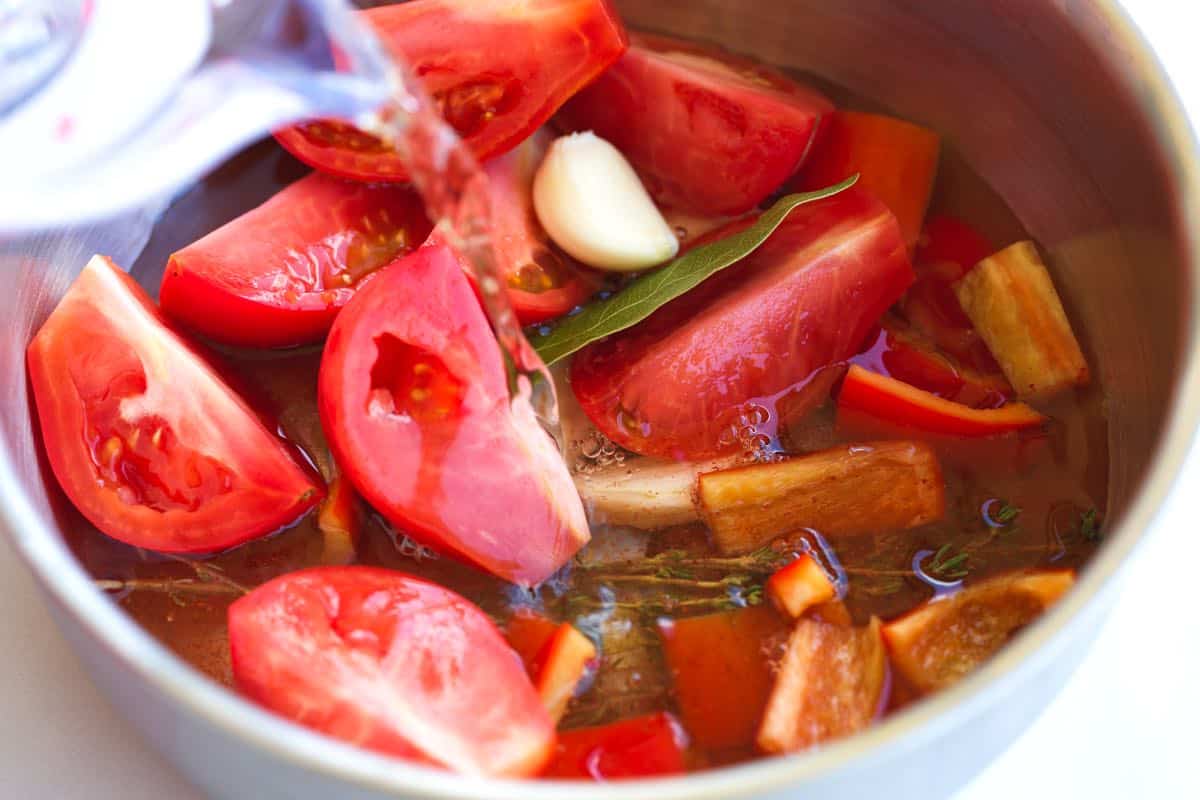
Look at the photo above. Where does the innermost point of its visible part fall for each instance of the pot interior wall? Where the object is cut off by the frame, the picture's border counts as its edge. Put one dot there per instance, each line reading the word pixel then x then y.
pixel 1020 92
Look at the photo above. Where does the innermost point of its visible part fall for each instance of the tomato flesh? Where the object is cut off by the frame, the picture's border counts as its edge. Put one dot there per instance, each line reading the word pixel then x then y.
pixel 542 282
pixel 496 69
pixel 392 663
pixel 640 747
pixel 689 379
pixel 414 399
pixel 143 435
pixel 277 275
pixel 709 132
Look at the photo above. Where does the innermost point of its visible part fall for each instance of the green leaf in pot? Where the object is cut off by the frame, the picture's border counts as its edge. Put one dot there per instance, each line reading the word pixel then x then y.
pixel 648 293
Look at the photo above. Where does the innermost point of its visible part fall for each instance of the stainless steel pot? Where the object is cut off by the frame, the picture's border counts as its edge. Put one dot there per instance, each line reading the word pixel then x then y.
pixel 1059 105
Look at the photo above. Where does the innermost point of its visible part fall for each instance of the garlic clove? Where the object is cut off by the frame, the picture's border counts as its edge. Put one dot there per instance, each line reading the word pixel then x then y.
pixel 593 205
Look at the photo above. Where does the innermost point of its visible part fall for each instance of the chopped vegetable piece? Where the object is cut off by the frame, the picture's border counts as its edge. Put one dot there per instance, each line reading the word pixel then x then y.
pixel 145 437
pixel 340 522
pixel 800 586
pixel 830 684
pixel 541 281
pixel 902 352
pixel 949 240
pixel 1012 302
pixel 594 207
pixel 709 131
pixel 890 400
pixel 949 248
pixel 528 632
pixel 278 275
pixel 648 494
pixel 560 666
pixel 896 160
pixel 676 384
pixel 641 747
pixel 846 490
pixel 941 641
pixel 414 398
pixel 392 663
pixel 721 672
pixel 496 69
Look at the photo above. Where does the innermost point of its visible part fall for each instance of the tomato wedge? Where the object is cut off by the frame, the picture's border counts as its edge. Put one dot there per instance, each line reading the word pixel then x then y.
pixel 392 663
pixel 143 435
pixel 678 384
pixel 497 70
pixel 277 275
pixel 414 398
pixel 543 282
pixel 709 131
pixel 640 747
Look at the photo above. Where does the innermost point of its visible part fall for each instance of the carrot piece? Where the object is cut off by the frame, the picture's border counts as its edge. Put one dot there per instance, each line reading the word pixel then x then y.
pixel 528 633
pixel 939 642
pixel 799 586
pixel 895 401
pixel 1012 302
pixel 896 161
pixel 721 674
pixel 340 523
pixel 830 685
pixel 846 490
pixel 639 747
pixel 560 666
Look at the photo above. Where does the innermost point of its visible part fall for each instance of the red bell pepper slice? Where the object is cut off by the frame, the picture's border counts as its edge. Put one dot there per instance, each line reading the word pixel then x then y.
pixel 640 747
pixel 896 161
pixel 894 401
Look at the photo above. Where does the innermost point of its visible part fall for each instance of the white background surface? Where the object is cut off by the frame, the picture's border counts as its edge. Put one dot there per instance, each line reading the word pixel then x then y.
pixel 1125 726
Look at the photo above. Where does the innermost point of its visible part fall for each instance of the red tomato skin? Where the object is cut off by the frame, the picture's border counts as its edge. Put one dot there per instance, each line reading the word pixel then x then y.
pixel 391 663
pixel 481 480
pixel 521 244
pixel 709 132
pixel 106 367
pixel 672 385
pixel 641 747
pixel 535 54
pixel 278 275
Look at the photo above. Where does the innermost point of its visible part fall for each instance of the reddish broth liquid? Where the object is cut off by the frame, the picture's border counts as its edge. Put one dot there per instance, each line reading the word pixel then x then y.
pixel 607 593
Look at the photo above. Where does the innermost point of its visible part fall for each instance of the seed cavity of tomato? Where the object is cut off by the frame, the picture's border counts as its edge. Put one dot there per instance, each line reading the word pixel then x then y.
pixel 544 271
pixel 342 136
pixel 412 382
pixel 146 465
pixel 467 107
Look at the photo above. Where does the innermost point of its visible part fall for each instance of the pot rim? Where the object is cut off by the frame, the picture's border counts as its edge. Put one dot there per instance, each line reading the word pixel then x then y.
pixel 64 579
